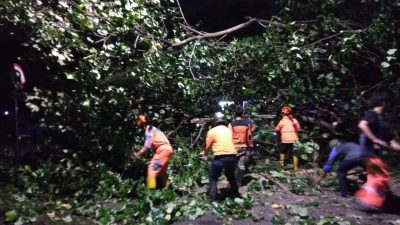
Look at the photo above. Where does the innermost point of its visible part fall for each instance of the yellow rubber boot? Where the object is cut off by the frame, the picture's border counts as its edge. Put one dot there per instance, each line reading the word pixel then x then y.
pixel 295 163
pixel 167 184
pixel 282 159
pixel 164 181
pixel 151 182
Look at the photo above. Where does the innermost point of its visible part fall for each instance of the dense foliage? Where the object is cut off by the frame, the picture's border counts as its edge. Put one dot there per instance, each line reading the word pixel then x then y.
pixel 110 60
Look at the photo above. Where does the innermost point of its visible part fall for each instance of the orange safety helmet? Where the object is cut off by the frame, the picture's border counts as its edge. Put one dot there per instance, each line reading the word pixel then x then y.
pixel 286 110
pixel 141 119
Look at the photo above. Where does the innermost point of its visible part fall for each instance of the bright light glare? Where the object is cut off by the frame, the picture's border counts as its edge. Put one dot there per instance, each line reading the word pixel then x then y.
pixel 223 104
pixel 6 113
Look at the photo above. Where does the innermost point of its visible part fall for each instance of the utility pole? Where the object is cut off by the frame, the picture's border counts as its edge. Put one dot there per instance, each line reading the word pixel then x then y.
pixel 18 81
pixel 17 142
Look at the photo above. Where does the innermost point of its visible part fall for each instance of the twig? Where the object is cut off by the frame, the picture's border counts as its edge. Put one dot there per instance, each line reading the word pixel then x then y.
pixel 221 38
pixel 376 85
pixel 192 29
pixel 183 15
pixel 175 129
pixel 199 135
pixel 305 21
pixel 104 40
pixel 355 83
pixel 261 24
pixel 136 42
pixel 139 32
pixel 190 61
pixel 332 36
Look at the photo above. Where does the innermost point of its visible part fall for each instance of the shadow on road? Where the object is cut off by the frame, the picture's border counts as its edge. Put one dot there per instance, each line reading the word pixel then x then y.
pixel 392 205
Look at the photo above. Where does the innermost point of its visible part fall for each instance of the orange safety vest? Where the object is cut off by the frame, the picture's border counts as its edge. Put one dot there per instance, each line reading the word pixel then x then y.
pixel 242 134
pixel 288 128
pixel 374 191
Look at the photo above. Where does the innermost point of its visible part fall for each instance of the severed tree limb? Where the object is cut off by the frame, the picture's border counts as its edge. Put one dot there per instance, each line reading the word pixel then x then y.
pixel 322 124
pixel 266 176
pixel 308 119
pixel 226 31
pixel 201 120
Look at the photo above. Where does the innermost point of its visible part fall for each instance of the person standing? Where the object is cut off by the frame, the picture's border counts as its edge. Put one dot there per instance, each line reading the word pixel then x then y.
pixel 375 136
pixel 219 138
pixel 349 155
pixel 288 128
pixel 243 141
pixel 156 140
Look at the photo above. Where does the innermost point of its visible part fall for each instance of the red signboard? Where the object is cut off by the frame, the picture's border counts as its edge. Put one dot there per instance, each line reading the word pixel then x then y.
pixel 18 78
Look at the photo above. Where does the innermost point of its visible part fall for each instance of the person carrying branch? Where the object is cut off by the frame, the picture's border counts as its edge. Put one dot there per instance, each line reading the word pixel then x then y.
pixel 375 137
pixel 219 138
pixel 349 155
pixel 288 128
pixel 243 140
pixel 156 140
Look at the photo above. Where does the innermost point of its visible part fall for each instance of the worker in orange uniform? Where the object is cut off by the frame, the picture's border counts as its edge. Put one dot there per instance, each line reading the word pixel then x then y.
pixel 243 140
pixel 219 138
pixel 375 136
pixel 156 140
pixel 288 128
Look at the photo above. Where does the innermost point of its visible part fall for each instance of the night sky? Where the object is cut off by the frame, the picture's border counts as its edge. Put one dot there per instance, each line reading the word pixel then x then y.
pixel 211 15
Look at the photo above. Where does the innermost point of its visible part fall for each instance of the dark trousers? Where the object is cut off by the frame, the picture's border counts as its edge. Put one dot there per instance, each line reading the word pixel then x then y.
pixel 287 149
pixel 344 167
pixel 226 163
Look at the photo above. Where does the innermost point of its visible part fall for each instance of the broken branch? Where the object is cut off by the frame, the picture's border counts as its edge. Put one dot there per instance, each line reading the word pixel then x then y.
pixel 226 31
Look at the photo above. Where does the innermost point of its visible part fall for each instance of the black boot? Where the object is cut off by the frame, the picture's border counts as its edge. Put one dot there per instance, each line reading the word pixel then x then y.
pixel 239 177
pixel 213 192
pixel 235 193
pixel 235 190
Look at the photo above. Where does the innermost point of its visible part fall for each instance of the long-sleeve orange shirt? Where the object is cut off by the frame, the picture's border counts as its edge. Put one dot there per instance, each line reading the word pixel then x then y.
pixel 220 139
pixel 288 128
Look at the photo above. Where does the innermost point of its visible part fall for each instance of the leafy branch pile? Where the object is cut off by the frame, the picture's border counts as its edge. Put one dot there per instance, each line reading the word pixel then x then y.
pixel 68 190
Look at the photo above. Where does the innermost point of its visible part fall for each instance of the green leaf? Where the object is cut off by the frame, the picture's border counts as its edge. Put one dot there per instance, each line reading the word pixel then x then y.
pixel 67 219
pixel 303 212
pixel 385 64
pixel 10 215
pixel 391 51
pixel 170 208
